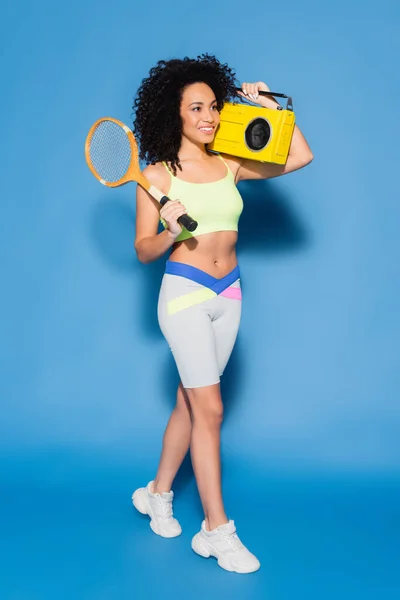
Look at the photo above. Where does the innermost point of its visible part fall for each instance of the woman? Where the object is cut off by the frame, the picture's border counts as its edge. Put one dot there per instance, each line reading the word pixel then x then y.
pixel 177 114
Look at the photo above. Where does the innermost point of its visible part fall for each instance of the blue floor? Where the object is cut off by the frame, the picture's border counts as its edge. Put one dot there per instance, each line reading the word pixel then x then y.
pixel 69 532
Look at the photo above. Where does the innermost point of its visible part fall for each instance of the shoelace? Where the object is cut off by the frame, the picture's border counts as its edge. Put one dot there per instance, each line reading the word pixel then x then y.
pixel 166 508
pixel 232 540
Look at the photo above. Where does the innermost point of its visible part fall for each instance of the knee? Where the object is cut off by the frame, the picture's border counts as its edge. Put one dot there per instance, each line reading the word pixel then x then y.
pixel 210 416
pixel 215 414
pixel 207 410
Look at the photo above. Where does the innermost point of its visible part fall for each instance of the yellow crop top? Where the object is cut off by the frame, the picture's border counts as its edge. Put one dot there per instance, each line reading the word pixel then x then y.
pixel 216 206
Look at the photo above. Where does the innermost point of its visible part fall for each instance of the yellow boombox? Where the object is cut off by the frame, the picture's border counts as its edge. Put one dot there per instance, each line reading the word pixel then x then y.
pixel 254 132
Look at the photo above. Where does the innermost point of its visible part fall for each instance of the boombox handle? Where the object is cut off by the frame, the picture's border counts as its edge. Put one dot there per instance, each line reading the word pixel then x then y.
pixel 289 104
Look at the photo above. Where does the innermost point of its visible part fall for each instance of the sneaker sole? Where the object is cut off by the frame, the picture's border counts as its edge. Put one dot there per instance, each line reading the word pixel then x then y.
pixel 201 549
pixel 139 501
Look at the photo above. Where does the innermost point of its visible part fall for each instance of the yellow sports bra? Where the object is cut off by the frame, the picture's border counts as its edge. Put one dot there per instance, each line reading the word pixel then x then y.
pixel 216 206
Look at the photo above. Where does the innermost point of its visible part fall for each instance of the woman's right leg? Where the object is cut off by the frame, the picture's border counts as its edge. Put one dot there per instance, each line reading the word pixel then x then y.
pixel 176 443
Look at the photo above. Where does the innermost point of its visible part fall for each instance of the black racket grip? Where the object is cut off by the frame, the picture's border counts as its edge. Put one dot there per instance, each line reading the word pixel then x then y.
pixel 184 220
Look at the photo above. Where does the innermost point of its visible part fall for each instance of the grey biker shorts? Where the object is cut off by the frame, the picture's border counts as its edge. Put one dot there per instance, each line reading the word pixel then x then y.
pixel 199 316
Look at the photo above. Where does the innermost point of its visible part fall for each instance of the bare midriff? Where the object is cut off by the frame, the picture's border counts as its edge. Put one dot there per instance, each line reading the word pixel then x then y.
pixel 214 253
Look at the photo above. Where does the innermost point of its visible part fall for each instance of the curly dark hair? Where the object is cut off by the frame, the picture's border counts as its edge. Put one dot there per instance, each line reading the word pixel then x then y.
pixel 158 125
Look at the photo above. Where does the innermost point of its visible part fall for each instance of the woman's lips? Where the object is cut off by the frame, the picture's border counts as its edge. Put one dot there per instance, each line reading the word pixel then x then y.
pixel 207 130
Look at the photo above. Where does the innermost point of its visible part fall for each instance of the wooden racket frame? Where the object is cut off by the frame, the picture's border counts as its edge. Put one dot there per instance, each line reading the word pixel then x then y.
pixel 133 173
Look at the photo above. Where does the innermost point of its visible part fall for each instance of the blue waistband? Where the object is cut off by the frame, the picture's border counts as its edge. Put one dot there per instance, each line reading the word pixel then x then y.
pixel 199 276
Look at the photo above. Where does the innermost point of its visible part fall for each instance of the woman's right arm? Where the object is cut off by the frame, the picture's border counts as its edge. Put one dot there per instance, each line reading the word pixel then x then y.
pixel 149 245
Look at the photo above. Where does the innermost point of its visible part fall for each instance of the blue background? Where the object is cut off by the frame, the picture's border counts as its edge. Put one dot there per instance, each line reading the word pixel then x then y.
pixel 311 436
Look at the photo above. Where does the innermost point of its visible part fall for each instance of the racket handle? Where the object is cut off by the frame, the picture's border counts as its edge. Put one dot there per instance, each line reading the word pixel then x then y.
pixel 184 220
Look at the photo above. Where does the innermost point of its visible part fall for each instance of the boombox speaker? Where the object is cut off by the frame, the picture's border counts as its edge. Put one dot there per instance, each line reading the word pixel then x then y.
pixel 254 132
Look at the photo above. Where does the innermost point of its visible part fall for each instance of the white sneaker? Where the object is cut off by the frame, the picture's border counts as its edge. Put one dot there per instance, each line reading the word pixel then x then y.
pixel 159 509
pixel 224 544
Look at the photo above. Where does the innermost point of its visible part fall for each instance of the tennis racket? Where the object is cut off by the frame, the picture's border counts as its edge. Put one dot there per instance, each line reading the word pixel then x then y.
pixel 112 155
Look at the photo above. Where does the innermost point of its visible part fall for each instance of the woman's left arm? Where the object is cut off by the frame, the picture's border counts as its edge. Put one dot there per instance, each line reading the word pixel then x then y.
pixel 299 155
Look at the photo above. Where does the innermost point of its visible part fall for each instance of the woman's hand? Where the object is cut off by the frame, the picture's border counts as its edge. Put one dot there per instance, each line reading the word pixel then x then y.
pixel 250 91
pixel 170 212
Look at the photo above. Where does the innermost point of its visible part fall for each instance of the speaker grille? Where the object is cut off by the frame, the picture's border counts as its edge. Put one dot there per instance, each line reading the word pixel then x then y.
pixel 257 134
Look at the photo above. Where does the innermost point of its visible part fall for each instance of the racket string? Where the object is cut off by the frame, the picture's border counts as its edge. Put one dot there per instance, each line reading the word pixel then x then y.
pixel 110 151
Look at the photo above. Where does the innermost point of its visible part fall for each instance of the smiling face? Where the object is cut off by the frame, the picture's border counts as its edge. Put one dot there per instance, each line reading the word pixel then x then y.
pixel 199 114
